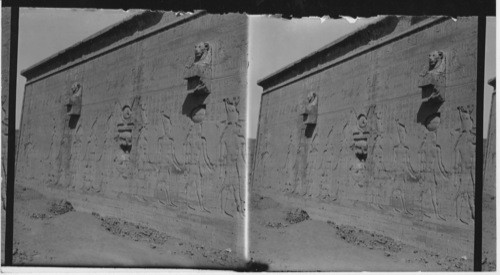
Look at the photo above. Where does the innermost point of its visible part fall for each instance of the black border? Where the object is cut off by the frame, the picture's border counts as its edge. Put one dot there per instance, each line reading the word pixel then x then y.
pixel 287 9
pixel 478 192
pixel 11 149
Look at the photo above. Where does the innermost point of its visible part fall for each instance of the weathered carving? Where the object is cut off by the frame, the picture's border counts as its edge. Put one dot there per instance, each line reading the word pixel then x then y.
pixel 198 113
pixel 360 138
pixel 433 79
pixel 199 72
pixel 74 104
pixel 431 164
pixel 173 167
pixel 376 140
pixel 331 174
pixel 125 127
pixel 465 166
pixel 403 171
pixel 310 114
pixel 232 157
pixel 198 163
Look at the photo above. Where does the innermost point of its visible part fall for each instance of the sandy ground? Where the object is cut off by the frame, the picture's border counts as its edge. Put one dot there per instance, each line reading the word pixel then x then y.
pixel 489 233
pixel 288 244
pixel 46 235
pixel 49 233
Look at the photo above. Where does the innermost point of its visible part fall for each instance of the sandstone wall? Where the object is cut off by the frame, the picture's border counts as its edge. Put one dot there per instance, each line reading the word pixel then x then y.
pixel 489 186
pixel 112 125
pixel 377 156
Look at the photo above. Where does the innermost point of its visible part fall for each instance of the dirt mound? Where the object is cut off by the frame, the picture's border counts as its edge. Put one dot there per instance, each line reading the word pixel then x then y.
pixel 59 207
pixel 297 215
pixel 40 216
pixel 132 231
pixel 488 265
pixel 365 238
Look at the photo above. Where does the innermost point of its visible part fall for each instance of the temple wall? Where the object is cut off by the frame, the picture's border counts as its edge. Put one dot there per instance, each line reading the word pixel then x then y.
pixel 377 156
pixel 118 129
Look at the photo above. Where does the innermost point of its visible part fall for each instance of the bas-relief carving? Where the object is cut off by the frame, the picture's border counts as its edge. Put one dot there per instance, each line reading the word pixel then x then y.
pixel 310 114
pixel 74 104
pixel 174 166
pixel 376 158
pixel 127 132
pixel 263 160
pixel 287 167
pixel 198 165
pixel 406 184
pixel 232 158
pixel 405 177
pixel 313 165
pixel 198 73
pixel 464 166
pixel 360 137
pixel 331 174
pixel 433 175
pixel 433 78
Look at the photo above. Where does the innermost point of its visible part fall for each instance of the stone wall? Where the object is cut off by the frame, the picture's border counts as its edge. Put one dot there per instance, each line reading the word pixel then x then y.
pixel 145 121
pixel 489 185
pixel 368 131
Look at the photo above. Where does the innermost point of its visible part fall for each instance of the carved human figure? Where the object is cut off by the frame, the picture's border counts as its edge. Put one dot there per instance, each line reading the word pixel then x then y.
pixel 403 170
pixel 198 73
pixel 197 162
pixel 125 126
pixel 433 77
pixel 74 105
pixel 264 157
pixel 376 139
pixel 173 165
pixel 232 158
pixel 465 166
pixel 288 164
pixel 311 109
pixel 331 174
pixel 431 164
pixel 312 168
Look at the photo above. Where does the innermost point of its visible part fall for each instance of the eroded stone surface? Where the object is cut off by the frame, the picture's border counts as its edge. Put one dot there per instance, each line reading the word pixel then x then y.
pixel 489 189
pixel 380 157
pixel 141 147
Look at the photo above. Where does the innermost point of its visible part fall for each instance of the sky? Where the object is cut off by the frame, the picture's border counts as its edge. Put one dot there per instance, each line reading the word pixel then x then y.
pixel 274 43
pixel 44 32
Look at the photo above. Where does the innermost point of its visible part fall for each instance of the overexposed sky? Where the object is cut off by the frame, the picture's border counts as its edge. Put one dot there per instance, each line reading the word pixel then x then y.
pixel 274 43
pixel 44 32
